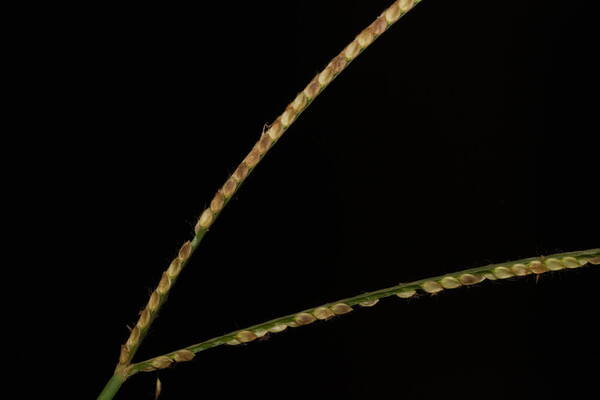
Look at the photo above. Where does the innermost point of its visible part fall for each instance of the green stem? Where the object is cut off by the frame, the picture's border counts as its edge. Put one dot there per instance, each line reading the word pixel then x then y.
pixel 537 265
pixel 112 387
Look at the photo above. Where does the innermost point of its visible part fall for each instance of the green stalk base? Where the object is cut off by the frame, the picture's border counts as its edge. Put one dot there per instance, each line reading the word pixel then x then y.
pixel 111 388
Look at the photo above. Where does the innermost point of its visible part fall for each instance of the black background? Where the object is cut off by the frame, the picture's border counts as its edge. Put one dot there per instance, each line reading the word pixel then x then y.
pixel 463 136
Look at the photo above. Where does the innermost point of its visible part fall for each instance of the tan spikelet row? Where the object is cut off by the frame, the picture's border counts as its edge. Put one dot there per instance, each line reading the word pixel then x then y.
pixel 166 361
pixel 156 298
pixel 299 319
pixel 432 286
pixel 299 104
pixel 264 144
pixel 499 272
pixel 530 266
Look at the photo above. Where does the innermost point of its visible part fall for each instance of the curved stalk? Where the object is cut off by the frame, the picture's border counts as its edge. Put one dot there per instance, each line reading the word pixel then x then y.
pixel 528 266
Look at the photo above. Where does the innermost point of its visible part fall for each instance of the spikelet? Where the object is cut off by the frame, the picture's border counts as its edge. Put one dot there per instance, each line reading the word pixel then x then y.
pixel 341 308
pixel 323 313
pixel 369 303
pixel 304 319
pixel 406 293
pixel 245 336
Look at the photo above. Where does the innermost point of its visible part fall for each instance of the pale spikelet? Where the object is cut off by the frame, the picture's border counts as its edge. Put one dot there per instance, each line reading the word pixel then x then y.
pixel 288 116
pixel 304 318
pixel 245 336
pixel 431 287
pixel 553 264
pixel 278 328
pixel 470 279
pixel 205 220
pixel 183 355
pixel 503 272
pixel 158 389
pixel 379 26
pixel 338 64
pixel 299 102
pixel 313 88
pixel 229 188
pixel 124 355
pixel 161 362
pixel 406 293
pixel 323 313
pixel 174 268
pixel 450 282
pixel 520 270
pixel 325 76
pixel 276 130
pixel 165 284
pixel 537 267
pixel 490 276
pixel 264 144
pixel 154 301
pixel 595 260
pixel 393 13
pixel 352 50
pixel 252 158
pixel 233 342
pixel 571 262
pixel 242 170
pixel 144 319
pixel 365 38
pixel 216 204
pixel 260 332
pixel 341 308
pixel 185 251
pixel 369 303
pixel 406 5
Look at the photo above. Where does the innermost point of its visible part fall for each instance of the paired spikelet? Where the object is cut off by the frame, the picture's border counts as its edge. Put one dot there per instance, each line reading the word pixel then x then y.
pixel 405 293
pixel 431 287
pixel 147 315
pixel 341 308
pixel 278 328
pixel 245 336
pixel 450 282
pixel 500 272
pixel 205 220
pixel 369 303
pixel 304 319
pixel 162 362
pixel 323 313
